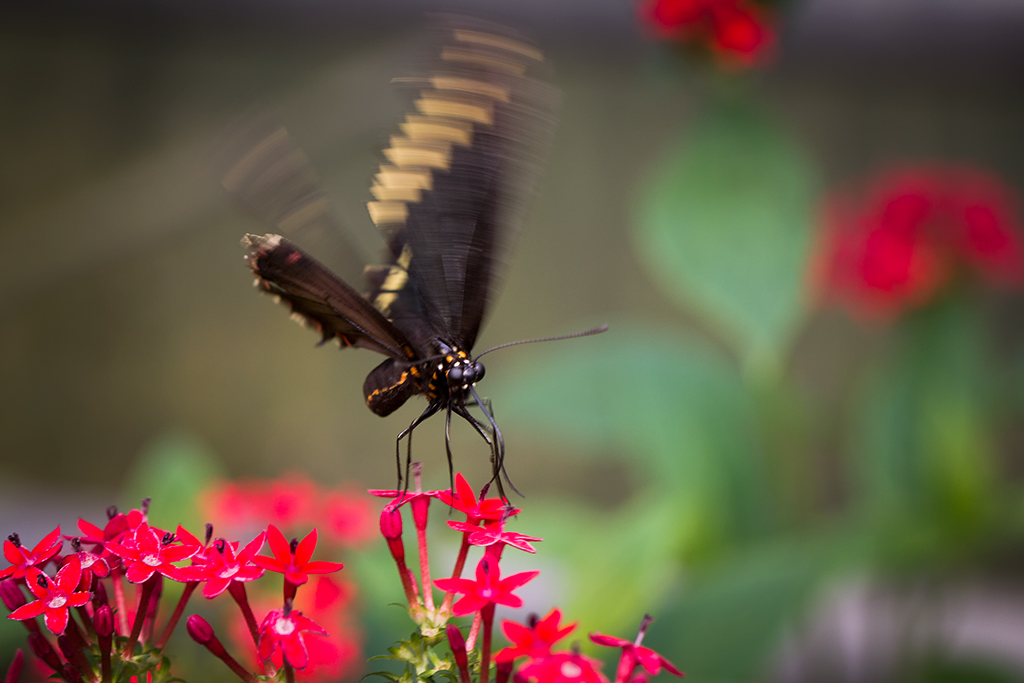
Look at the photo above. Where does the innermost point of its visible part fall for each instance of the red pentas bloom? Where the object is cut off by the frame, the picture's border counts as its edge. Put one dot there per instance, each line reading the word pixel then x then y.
pixel 535 640
pixel 55 596
pixel 147 551
pixel 92 563
pixel 561 667
pixel 293 559
pixel 737 32
pixel 488 588
pixel 118 524
pixel 893 245
pixel 281 636
pixel 494 533
pixel 223 566
pixel 463 499
pixel 21 558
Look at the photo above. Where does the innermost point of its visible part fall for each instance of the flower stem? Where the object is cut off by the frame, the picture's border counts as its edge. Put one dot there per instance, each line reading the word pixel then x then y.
pixel 487 615
pixel 140 616
pixel 474 631
pixel 237 590
pixel 289 672
pixel 176 616
pixel 119 601
pixel 460 562
pixel 428 591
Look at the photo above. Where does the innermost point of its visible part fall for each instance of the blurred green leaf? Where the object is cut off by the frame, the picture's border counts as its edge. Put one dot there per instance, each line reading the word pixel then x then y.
pixel 729 619
pixel 172 471
pixel 681 413
pixel 924 449
pixel 724 224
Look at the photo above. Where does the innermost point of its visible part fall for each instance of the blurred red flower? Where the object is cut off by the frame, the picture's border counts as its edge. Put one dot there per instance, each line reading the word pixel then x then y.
pixel 738 32
pixel 893 245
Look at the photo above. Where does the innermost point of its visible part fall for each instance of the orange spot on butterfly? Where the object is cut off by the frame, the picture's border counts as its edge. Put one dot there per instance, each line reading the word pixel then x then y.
pixel 293 258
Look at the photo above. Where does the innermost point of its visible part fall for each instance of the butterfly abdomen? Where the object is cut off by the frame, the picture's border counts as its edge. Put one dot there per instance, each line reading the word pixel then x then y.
pixel 390 385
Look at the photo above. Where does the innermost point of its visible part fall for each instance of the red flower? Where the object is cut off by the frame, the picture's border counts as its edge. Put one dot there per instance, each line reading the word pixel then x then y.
pixel 55 596
pixel 223 566
pixel 488 588
pixel 348 518
pixel 464 500
pixel 737 32
pixel 117 525
pixel 281 635
pixel 293 560
pixel 740 35
pixel 536 640
pixel 562 667
pixel 495 533
pixel 146 552
pixel 92 563
pixel 898 243
pixel 633 654
pixel 290 500
pixel 22 559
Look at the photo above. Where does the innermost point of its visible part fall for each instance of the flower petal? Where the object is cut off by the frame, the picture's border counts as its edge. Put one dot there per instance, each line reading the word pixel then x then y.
pixel 78 599
pixel 57 620
pixel 252 547
pixel 70 574
pixel 295 651
pixel 139 572
pixel 33 582
pixel 49 546
pixel 279 545
pixel 29 611
pixel 322 567
pixel 305 549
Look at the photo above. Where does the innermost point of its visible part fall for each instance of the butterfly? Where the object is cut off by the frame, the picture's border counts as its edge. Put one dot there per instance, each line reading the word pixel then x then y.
pixel 448 199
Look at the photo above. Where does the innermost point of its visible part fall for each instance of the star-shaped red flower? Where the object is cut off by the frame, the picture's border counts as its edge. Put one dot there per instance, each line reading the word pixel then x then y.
pixel 21 558
pixel 464 499
pixel 488 587
pixel 293 559
pixel 145 553
pixel 535 641
pixel 281 635
pixel 223 566
pixel 562 667
pixel 489 534
pixel 55 596
pixel 633 654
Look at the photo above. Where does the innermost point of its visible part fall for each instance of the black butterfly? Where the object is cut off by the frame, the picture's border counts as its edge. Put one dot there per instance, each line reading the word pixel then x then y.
pixel 448 200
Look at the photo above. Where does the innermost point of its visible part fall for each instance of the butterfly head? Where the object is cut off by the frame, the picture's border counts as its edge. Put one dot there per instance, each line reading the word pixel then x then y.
pixel 461 371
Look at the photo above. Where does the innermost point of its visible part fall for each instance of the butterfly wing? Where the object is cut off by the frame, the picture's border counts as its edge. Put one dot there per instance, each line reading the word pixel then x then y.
pixel 320 299
pixel 450 197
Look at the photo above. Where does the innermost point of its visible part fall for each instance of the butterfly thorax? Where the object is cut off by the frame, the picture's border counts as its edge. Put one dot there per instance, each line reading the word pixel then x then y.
pixel 446 377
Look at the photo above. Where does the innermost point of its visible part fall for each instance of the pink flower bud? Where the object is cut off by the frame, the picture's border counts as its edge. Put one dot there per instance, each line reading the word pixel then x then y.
pixel 457 643
pixel 41 648
pixel 14 672
pixel 11 595
pixel 71 674
pixel 199 629
pixel 103 621
pixel 391 523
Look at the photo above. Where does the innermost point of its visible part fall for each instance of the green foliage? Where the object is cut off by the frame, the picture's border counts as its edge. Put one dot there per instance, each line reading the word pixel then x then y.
pixel 420 661
pixel 724 225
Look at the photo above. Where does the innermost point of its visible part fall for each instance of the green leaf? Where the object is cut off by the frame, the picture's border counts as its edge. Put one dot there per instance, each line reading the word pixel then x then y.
pixel 678 411
pixel 730 617
pixel 723 226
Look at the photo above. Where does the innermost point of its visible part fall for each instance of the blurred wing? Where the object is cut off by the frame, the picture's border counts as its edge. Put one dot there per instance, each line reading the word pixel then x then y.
pixel 452 192
pixel 320 299
pixel 268 174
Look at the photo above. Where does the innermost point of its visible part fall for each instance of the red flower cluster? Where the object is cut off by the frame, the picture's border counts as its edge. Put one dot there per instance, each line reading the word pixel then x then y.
pixel 128 549
pixel 894 244
pixel 344 516
pixel 737 32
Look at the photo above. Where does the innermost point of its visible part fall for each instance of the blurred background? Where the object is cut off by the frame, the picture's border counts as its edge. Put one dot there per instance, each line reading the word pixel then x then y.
pixel 798 446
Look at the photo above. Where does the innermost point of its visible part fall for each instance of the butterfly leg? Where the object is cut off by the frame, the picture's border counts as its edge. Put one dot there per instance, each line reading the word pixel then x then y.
pixel 407 432
pixel 448 445
pixel 497 444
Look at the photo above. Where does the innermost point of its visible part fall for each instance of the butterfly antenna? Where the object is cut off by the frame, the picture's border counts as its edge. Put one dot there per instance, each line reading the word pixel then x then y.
pixel 587 333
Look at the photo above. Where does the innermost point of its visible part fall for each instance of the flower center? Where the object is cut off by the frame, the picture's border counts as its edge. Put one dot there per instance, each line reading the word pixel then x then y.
pixel 284 627
pixel 570 670
pixel 151 560
pixel 57 601
pixel 88 561
pixel 487 593
pixel 227 572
